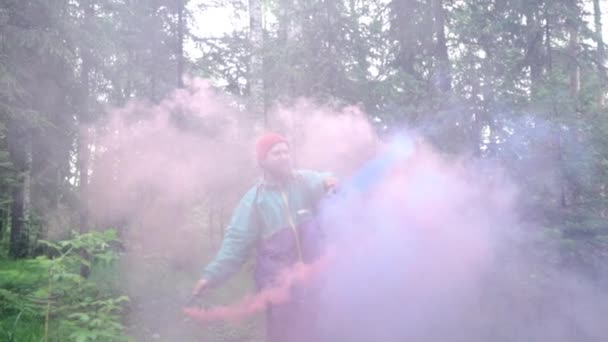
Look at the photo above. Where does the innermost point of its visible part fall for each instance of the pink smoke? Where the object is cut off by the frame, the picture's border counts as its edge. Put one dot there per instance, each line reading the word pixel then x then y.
pixel 300 274
pixel 419 255
pixel 154 163
pixel 169 174
pixel 426 199
pixel 326 138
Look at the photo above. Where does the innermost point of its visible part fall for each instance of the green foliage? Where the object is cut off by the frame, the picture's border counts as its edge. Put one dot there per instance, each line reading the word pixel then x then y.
pixel 97 320
pixel 51 292
pixel 17 331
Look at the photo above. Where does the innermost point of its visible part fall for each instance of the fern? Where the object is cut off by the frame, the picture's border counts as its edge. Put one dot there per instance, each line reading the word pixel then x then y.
pixel 69 306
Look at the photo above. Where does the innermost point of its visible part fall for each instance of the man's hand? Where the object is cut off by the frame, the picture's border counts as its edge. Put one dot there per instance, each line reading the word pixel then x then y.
pixel 330 184
pixel 201 286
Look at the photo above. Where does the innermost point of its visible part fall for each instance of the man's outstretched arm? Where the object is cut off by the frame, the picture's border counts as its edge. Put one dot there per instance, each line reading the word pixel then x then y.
pixel 241 235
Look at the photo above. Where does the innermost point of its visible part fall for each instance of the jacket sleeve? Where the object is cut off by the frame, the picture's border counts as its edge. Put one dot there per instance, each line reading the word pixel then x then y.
pixel 315 181
pixel 238 243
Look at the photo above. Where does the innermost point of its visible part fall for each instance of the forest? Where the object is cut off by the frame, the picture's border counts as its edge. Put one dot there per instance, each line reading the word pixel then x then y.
pixel 126 140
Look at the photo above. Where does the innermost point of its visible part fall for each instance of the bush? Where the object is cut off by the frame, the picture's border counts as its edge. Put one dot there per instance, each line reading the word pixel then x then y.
pixel 56 298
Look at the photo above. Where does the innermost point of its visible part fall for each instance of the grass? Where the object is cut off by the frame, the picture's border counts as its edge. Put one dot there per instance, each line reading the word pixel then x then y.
pixel 22 274
pixel 20 278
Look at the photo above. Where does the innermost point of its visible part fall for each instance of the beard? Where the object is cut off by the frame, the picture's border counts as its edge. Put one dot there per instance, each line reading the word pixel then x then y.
pixel 279 169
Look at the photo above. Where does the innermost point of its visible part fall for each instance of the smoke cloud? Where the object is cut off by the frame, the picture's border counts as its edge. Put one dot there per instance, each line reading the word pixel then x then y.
pixel 425 246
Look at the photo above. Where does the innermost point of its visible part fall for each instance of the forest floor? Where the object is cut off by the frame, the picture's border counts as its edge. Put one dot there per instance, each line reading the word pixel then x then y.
pixel 159 293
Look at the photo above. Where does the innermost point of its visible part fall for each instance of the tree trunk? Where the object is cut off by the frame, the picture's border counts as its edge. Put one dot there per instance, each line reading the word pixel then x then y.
pixel 485 110
pixel 21 204
pixel 84 152
pixel 533 54
pixel 18 238
pixel 6 215
pixel 287 81
pixel 565 192
pixel 180 43
pixel 444 77
pixel 401 11
pixel 84 121
pixel 2 224
pixel 574 69
pixel 331 13
pixel 361 52
pixel 548 48
pixel 256 63
pixel 153 66
pixel 27 186
pixel 4 196
pixel 599 39
pixel 283 22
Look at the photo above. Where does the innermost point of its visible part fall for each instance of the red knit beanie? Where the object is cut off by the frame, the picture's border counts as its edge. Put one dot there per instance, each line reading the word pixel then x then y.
pixel 265 143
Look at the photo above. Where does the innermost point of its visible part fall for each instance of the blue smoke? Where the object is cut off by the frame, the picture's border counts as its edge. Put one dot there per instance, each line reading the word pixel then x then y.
pixel 354 189
pixel 398 150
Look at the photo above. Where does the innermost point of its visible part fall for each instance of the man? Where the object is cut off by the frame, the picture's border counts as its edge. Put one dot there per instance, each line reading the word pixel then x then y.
pixel 276 218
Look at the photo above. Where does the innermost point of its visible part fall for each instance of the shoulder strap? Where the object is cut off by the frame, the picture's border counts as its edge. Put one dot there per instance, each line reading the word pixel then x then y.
pixel 256 210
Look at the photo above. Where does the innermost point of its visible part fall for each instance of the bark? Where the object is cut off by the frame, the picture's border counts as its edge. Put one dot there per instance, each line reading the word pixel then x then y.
pixel 84 152
pixel 284 21
pixel 84 120
pixel 2 224
pixel 599 39
pixel 331 76
pixel 21 203
pixel 180 43
pixel 401 13
pixel 287 79
pixel 256 63
pixel 533 57
pixel 565 193
pixel 574 69
pixel 548 47
pixel 444 77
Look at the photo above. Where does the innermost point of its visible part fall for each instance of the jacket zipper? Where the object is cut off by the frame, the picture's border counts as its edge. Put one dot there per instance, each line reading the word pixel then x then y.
pixel 293 226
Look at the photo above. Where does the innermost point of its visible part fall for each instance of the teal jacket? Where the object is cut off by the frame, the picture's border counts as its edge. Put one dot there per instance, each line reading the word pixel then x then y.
pixel 263 211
